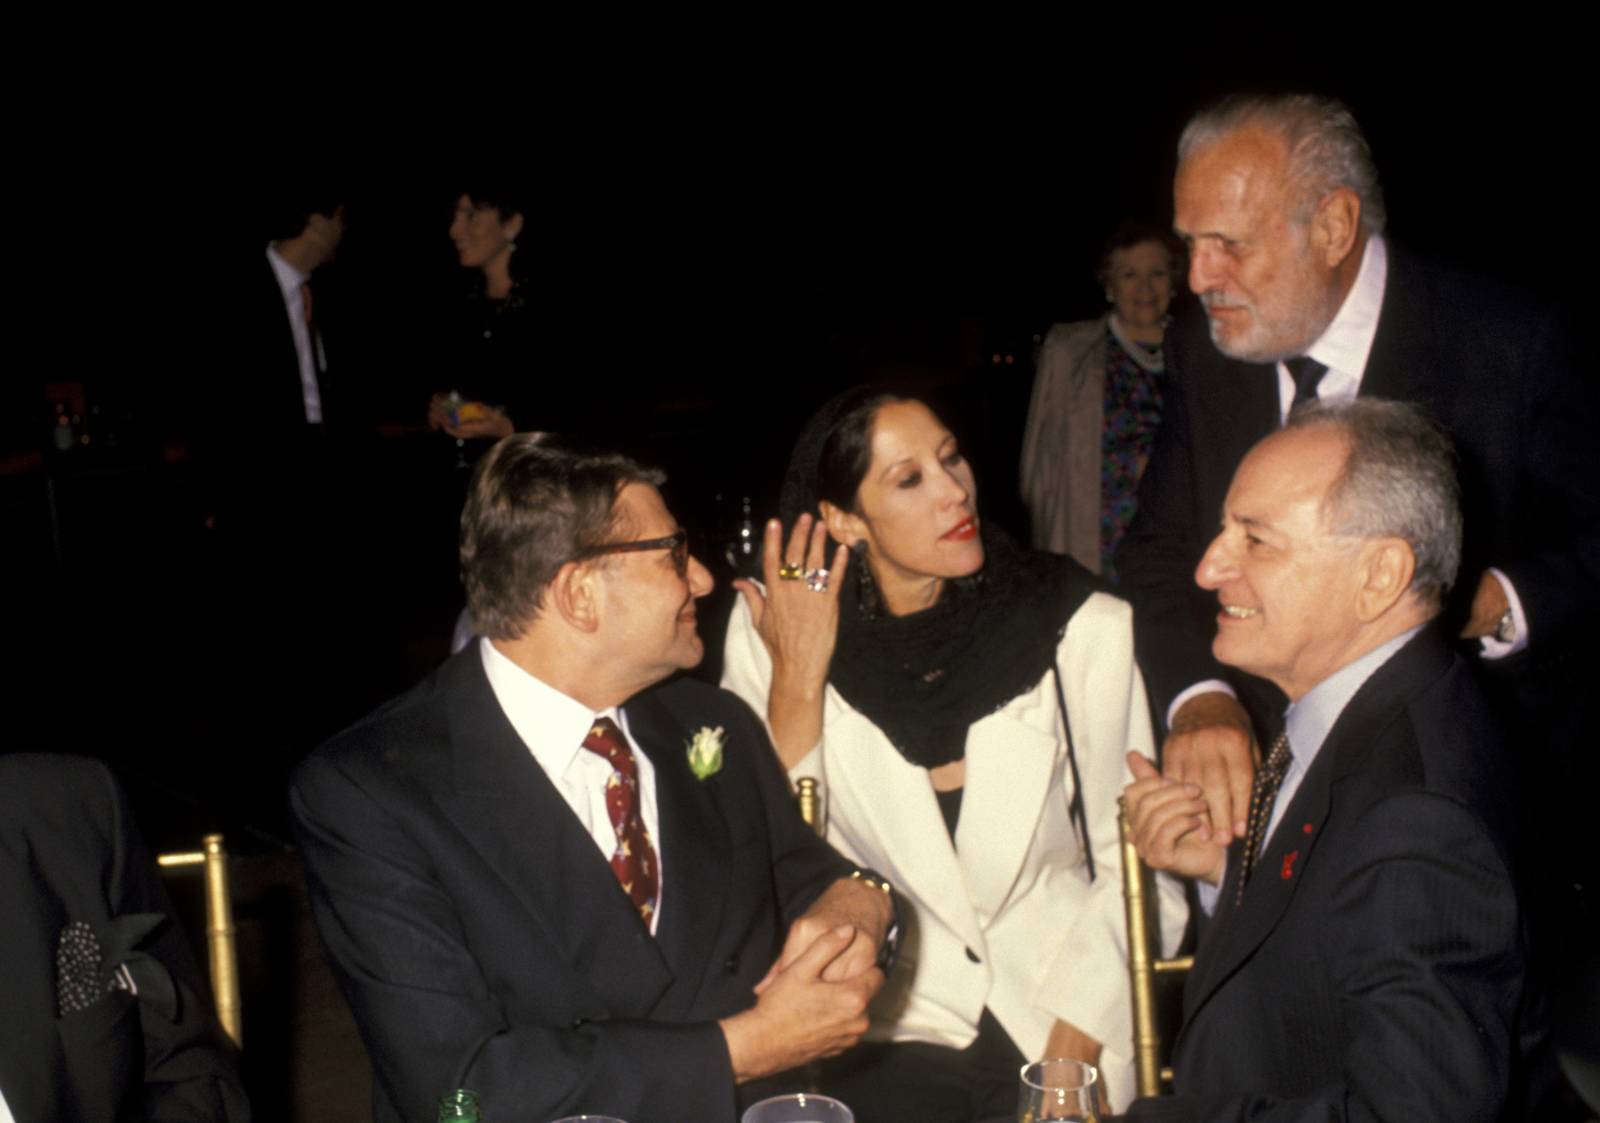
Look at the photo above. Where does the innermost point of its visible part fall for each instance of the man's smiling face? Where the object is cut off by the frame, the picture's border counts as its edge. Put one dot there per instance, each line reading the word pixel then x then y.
pixel 1287 588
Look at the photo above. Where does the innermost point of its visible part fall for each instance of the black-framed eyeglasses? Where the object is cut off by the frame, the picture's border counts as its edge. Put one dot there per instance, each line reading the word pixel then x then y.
pixel 677 542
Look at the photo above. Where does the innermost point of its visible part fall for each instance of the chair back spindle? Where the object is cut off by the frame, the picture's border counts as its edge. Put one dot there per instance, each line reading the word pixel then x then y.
pixel 221 943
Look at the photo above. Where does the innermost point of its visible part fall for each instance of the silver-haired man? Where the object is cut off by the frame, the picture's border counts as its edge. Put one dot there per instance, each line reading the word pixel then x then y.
pixel 1365 956
pixel 1304 299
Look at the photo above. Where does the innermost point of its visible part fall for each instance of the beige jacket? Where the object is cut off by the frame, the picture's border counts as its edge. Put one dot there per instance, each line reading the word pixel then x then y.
pixel 1061 446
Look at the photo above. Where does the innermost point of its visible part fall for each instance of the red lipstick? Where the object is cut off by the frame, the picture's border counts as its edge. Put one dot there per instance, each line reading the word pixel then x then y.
pixel 964 531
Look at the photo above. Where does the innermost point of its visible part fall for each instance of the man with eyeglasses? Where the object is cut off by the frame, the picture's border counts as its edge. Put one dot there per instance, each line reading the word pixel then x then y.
pixel 547 874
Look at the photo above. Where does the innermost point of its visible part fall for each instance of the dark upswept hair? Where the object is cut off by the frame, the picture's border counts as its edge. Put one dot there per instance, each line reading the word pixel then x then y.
pixel 833 453
pixel 830 460
pixel 505 195
pixel 534 505
pixel 1398 481
pixel 1327 148
pixel 1131 232
pixel 508 196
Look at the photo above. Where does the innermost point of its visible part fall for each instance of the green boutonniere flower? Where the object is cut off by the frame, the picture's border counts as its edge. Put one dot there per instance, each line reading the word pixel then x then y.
pixel 705 752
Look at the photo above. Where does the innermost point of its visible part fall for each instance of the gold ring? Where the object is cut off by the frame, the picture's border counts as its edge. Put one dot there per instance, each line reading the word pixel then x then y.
pixel 787 572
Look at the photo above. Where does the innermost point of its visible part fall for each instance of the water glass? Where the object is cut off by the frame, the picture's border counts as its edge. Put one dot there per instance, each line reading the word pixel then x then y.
pixel 801 1107
pixel 1058 1089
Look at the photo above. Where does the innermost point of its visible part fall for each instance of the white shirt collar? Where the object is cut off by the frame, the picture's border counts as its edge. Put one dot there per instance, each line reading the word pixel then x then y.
pixel 551 724
pixel 289 278
pixel 1346 343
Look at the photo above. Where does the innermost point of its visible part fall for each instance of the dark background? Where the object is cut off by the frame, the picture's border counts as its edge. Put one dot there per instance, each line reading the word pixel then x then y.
pixel 719 247
pixel 719 244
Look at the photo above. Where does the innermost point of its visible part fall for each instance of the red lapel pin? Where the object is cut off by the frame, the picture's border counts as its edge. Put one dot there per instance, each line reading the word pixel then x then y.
pixel 1306 828
pixel 1288 865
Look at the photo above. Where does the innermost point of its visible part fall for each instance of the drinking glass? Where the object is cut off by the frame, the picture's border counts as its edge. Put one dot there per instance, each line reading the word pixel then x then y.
pixel 1058 1089
pixel 452 402
pixel 801 1107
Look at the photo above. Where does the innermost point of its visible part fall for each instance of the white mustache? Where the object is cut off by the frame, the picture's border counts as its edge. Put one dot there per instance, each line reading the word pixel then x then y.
pixel 1222 300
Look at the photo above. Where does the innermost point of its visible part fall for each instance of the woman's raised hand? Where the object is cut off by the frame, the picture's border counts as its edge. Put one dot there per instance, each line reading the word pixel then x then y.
pixel 798 616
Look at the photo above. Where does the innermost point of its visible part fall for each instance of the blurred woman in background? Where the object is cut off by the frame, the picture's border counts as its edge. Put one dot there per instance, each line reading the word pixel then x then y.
pixel 1097 403
pixel 486 353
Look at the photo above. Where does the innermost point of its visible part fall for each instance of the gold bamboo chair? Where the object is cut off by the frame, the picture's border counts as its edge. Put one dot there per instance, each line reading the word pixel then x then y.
pixel 809 796
pixel 221 947
pixel 1144 965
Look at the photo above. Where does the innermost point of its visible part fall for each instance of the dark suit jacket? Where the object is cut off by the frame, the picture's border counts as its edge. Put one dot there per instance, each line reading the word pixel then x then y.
pixel 276 393
pixel 266 374
pixel 1499 379
pixel 69 852
pixel 481 938
pixel 261 468
pixel 1375 967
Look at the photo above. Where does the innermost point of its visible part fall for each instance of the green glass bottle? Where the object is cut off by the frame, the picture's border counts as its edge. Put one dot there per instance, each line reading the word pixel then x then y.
pixel 460 1106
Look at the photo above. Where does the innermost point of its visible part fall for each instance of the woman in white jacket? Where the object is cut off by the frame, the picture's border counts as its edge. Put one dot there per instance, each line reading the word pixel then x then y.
pixel 967 706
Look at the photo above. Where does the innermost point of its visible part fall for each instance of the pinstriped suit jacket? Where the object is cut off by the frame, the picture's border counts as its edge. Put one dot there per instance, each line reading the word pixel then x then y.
pixel 1375 968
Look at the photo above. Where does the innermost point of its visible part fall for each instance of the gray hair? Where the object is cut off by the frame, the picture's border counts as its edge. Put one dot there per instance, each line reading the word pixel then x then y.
pixel 1398 481
pixel 1327 148
pixel 534 505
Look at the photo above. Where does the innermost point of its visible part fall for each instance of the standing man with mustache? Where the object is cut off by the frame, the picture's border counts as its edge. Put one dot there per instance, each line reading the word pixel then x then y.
pixel 551 876
pixel 1304 299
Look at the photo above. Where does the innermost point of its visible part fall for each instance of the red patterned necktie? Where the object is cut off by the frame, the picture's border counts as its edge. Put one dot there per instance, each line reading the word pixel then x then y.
pixel 634 860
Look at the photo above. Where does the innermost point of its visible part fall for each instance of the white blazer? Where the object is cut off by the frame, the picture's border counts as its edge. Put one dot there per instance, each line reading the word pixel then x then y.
pixel 1006 918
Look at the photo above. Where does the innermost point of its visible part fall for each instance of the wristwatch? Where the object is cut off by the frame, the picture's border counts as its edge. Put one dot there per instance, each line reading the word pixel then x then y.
pixel 1506 630
pixel 889 951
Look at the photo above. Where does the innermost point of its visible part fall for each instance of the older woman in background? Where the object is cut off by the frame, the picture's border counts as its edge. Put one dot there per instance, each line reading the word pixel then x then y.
pixel 1097 402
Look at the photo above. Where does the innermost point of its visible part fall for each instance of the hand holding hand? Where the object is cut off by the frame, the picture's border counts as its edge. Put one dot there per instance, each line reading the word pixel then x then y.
pixel 1211 746
pixel 848 902
pixel 1168 819
pixel 800 1016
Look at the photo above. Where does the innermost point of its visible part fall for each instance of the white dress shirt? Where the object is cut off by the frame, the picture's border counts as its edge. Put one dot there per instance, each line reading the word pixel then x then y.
pixel 553 727
pixel 1345 344
pixel 307 348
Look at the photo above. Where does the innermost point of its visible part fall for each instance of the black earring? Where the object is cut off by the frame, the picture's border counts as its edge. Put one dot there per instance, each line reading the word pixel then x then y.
pixel 867 598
